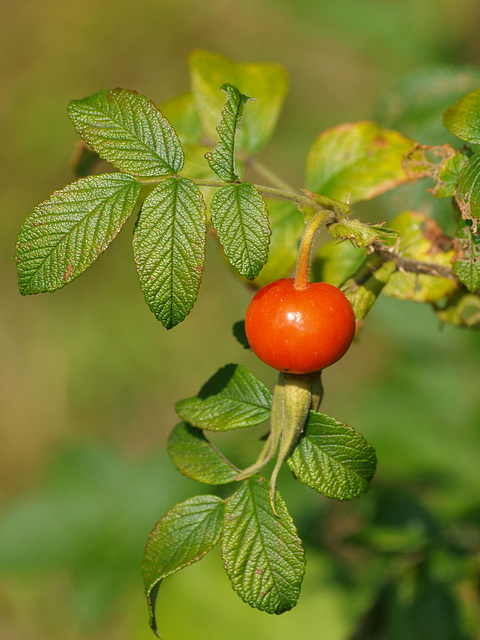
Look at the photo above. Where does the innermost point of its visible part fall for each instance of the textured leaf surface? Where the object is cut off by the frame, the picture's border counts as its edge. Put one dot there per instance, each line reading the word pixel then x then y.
pixel 67 232
pixel 182 536
pixel 463 118
pixel 263 554
pixel 240 218
pixel 169 248
pixel 197 458
pixel 265 82
pixel 231 399
pixel 129 131
pixel 468 189
pixel 222 158
pixel 466 264
pixel 333 458
pixel 287 226
pixel 356 161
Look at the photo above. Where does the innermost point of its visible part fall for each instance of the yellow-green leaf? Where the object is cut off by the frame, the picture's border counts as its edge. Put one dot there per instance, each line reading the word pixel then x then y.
pixel 356 161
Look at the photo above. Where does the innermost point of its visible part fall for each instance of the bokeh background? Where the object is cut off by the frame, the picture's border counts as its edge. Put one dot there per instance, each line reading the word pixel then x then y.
pixel 88 378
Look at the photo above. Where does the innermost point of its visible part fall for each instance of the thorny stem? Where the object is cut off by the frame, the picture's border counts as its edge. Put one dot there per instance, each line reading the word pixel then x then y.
pixel 408 264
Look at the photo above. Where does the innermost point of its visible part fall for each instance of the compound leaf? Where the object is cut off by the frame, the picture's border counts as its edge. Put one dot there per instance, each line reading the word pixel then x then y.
pixel 181 537
pixel 262 553
pixel 266 81
pixel 231 399
pixel 356 161
pixel 333 458
pixel 67 232
pixel 126 129
pixel 222 158
pixel 240 218
pixel 169 248
pixel 463 118
pixel 197 458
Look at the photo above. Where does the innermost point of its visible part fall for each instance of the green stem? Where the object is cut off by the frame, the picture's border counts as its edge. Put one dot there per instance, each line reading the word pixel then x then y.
pixel 268 192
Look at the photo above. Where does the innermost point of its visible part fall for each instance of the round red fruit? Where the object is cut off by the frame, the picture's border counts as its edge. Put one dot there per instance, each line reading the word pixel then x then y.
pixel 299 330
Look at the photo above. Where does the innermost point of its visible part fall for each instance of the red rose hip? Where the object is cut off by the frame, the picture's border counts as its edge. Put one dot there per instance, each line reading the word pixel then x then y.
pixel 299 330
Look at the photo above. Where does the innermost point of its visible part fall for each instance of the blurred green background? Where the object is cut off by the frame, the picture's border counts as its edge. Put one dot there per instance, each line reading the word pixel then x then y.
pixel 89 378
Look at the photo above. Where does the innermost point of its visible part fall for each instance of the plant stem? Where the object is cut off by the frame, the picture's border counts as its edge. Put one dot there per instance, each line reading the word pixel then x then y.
pixel 303 263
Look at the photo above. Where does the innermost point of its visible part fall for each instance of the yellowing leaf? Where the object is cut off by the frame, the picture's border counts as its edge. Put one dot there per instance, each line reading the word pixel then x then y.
pixel 421 240
pixel 356 161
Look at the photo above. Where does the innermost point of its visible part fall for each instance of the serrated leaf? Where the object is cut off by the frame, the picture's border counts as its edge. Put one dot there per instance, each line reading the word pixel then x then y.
pixel 240 218
pixel 126 129
pixel 361 233
pixel 466 262
pixel 169 248
pixel 463 118
pixel 287 226
pixel 421 239
pixel 67 232
pixel 222 158
pixel 181 537
pixel 262 553
pixel 468 189
pixel 197 458
pixel 233 398
pixel 356 161
pixel 267 82
pixel 333 458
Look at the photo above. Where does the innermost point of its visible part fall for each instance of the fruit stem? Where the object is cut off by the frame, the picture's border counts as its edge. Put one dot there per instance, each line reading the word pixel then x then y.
pixel 302 270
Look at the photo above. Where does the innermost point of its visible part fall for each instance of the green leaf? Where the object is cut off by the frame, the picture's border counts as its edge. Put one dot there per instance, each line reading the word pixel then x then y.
pixel 67 232
pixel 468 189
pixel 169 248
pixel 240 218
pixel 267 82
pixel 197 458
pixel 416 102
pixel 466 265
pixel 233 398
pixel 449 175
pixel 333 458
pixel 361 233
pixel 263 555
pixel 222 158
pixel 287 226
pixel 181 537
pixel 356 161
pixel 129 131
pixel 463 118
